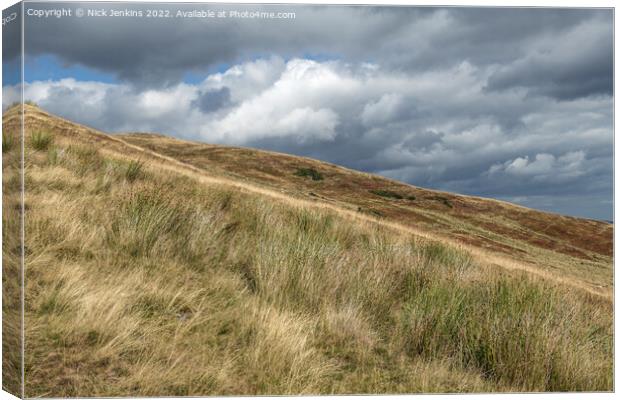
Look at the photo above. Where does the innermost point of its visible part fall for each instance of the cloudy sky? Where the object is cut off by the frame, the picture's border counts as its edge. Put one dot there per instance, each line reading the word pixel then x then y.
pixel 515 104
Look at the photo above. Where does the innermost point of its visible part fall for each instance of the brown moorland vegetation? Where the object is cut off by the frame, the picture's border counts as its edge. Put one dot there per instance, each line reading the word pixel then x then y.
pixel 156 266
pixel 554 244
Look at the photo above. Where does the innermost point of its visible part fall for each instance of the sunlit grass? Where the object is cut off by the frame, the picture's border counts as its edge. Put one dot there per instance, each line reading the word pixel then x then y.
pixel 160 285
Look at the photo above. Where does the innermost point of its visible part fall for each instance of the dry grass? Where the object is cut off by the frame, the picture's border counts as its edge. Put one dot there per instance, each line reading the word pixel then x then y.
pixel 167 285
pixel 562 246
pixel 11 265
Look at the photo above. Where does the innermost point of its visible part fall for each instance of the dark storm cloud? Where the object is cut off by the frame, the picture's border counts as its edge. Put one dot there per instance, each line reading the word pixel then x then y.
pixel 158 52
pixel 580 65
pixel 423 140
pixel 508 103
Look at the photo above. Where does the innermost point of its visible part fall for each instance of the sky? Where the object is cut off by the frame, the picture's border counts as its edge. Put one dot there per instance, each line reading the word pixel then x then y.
pixel 509 103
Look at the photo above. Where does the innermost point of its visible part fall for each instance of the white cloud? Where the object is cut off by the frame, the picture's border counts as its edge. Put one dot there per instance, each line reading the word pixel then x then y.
pixel 247 79
pixel 544 167
pixel 382 110
pixel 437 129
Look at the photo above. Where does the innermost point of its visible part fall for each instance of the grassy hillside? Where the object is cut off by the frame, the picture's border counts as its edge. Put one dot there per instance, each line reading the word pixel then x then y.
pixel 569 248
pixel 150 274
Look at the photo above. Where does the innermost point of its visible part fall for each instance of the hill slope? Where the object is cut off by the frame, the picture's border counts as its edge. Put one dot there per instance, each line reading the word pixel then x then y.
pixel 565 246
pixel 570 249
pixel 161 267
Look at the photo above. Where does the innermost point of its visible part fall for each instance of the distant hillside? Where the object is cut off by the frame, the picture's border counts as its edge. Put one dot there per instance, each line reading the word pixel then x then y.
pixel 160 267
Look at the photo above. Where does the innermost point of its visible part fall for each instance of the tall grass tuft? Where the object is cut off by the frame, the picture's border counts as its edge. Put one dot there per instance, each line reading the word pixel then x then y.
pixel 150 222
pixel 310 173
pixel 7 142
pixel 84 160
pixel 134 170
pixel 512 331
pixel 40 140
pixel 387 193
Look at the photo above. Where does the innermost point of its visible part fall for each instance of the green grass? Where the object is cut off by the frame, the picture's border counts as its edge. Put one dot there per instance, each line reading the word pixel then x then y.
pixel 149 223
pixel 511 331
pixel 40 140
pixel 444 200
pixel 134 170
pixel 53 156
pixel 310 173
pixel 84 160
pixel 387 193
pixel 7 142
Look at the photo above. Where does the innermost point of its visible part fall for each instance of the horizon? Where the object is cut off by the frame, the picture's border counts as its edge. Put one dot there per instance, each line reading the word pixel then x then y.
pixel 485 102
